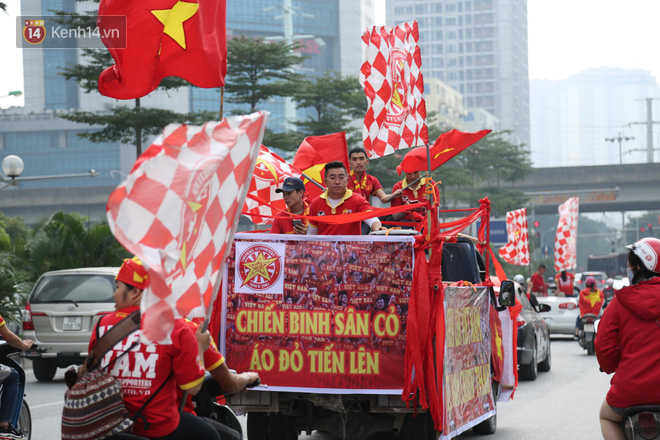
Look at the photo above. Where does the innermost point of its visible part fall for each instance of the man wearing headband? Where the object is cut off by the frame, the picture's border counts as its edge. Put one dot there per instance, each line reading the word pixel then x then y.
pixel 147 366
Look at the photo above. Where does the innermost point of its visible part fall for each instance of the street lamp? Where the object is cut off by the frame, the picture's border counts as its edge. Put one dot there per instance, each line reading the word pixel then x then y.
pixel 620 138
pixel 13 167
pixel 15 93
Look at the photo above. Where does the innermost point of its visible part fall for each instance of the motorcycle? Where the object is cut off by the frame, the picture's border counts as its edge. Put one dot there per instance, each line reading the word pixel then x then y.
pixel 210 403
pixel 587 333
pixel 22 419
pixel 642 422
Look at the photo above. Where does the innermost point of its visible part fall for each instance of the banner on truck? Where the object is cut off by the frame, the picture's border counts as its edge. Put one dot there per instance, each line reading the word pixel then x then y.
pixel 338 325
pixel 468 397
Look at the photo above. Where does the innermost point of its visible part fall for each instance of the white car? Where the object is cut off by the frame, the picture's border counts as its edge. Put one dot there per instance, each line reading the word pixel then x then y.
pixel 562 315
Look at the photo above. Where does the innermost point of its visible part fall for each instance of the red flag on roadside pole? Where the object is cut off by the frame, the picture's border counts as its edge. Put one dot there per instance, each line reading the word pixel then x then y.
pixel 312 155
pixel 516 251
pixel 392 80
pixel 178 211
pixel 163 38
pixel 269 173
pixel 447 146
pixel 566 238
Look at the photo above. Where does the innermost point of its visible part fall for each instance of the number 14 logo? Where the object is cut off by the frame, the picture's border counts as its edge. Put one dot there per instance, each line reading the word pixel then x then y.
pixel 34 31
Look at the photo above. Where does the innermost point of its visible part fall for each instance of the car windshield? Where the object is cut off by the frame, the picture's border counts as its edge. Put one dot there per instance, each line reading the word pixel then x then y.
pixel 74 288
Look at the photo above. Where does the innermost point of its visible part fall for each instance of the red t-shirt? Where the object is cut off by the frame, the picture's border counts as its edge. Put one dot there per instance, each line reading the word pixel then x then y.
pixel 366 187
pixel 212 360
pixel 349 204
pixel 283 223
pixel 412 195
pixel 143 369
pixel 538 283
pixel 565 286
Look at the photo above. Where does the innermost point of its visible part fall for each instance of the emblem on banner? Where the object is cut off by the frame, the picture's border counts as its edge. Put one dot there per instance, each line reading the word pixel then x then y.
pixel 399 101
pixel 259 268
pixel 34 31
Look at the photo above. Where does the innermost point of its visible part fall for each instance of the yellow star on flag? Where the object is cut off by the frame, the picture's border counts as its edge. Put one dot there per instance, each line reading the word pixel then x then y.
pixel 594 297
pixel 442 152
pixel 173 20
pixel 258 267
pixel 314 172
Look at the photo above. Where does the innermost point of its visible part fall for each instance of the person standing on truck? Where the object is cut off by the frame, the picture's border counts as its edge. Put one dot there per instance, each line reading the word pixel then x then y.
pixel 537 284
pixel 293 193
pixel 412 188
pixel 338 200
pixel 564 282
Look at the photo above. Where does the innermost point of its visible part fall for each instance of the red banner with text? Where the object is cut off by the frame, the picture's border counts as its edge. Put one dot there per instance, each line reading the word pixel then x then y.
pixel 466 383
pixel 318 313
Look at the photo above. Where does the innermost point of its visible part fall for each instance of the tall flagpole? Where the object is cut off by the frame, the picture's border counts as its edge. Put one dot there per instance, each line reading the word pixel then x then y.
pixel 222 101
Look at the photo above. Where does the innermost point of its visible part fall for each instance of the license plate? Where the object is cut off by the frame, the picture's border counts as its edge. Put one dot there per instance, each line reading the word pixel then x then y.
pixel 72 323
pixel 589 328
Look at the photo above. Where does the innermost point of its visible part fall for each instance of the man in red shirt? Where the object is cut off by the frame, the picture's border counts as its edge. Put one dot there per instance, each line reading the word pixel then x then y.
pixel 293 192
pixel 365 184
pixel 537 284
pixel 147 366
pixel 337 200
pixel 411 193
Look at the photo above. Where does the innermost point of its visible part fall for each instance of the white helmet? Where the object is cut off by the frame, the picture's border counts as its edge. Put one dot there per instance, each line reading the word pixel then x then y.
pixel 519 279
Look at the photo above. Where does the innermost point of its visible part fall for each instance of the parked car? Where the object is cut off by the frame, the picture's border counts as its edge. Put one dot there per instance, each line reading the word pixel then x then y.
pixel 562 314
pixel 581 278
pixel 61 313
pixel 534 352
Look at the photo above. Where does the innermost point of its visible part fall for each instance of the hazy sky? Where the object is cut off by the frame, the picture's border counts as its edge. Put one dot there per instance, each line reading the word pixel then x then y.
pixel 565 37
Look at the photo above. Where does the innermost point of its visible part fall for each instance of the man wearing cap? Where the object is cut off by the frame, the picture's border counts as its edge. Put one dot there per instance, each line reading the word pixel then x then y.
pixel 338 200
pixel 293 192
pixel 145 367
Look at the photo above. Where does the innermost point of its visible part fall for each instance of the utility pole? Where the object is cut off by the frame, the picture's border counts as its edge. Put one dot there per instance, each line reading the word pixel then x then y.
pixel 620 138
pixel 649 127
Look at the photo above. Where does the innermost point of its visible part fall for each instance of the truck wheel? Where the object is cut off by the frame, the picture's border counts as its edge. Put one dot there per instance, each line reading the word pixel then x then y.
pixel 530 371
pixel 44 369
pixel 420 427
pixel 257 426
pixel 487 427
pixel 281 427
pixel 545 365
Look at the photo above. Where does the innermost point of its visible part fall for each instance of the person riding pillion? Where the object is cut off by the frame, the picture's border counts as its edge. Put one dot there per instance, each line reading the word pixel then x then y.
pixel 628 341
pixel 147 366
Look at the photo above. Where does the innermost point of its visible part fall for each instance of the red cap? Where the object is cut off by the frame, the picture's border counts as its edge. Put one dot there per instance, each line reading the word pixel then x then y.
pixel 133 273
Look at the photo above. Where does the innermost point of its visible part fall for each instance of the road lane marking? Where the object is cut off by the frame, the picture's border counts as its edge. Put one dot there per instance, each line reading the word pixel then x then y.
pixel 43 405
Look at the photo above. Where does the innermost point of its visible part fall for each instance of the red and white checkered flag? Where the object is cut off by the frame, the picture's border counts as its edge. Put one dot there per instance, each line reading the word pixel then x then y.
pixel 392 80
pixel 269 173
pixel 516 251
pixel 178 211
pixel 566 239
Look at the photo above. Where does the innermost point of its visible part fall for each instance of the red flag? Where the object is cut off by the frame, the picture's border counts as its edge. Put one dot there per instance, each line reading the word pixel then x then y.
pixel 178 211
pixel 448 145
pixel 269 173
pixel 392 80
pixel 312 155
pixel 516 251
pixel 164 38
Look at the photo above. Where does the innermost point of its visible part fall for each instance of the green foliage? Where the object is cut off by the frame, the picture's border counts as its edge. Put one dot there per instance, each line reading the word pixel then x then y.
pixel 122 123
pixel 258 70
pixel 335 102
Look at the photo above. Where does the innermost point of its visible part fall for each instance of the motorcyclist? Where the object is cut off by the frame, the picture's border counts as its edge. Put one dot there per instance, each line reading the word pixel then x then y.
pixel 628 342
pixel 608 292
pixel 591 301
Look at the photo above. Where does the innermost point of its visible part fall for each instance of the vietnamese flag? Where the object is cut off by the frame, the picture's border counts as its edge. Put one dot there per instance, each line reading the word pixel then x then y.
pixel 447 145
pixel 312 155
pixel 163 38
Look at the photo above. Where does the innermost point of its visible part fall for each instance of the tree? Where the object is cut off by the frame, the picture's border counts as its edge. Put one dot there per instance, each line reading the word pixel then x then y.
pixel 258 70
pixel 335 102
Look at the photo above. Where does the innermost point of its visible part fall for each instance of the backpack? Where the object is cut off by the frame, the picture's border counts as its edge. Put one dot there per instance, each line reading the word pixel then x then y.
pixel 94 406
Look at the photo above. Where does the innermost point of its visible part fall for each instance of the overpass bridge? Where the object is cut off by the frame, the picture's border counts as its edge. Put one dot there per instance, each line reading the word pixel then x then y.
pixel 600 188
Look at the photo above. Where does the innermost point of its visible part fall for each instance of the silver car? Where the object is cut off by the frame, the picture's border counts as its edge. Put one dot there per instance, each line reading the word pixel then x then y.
pixel 61 313
pixel 562 315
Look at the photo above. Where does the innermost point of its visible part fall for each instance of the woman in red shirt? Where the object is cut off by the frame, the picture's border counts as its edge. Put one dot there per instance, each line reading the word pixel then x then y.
pixel 564 281
pixel 628 341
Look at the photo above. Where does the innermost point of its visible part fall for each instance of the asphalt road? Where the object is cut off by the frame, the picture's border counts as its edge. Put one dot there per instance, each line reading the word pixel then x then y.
pixel 560 404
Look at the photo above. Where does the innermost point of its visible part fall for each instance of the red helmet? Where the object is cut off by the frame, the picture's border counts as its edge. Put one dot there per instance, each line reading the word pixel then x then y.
pixel 591 282
pixel 648 251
